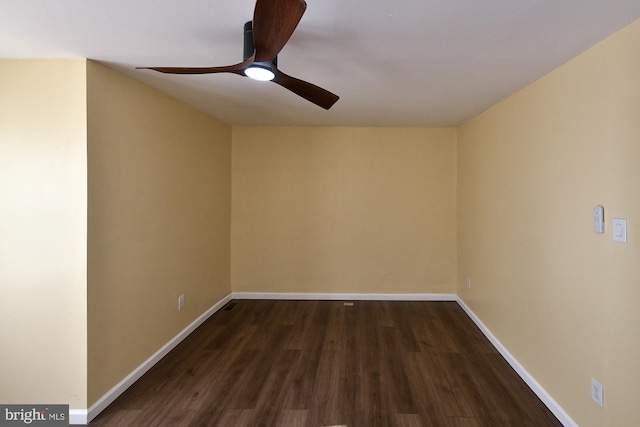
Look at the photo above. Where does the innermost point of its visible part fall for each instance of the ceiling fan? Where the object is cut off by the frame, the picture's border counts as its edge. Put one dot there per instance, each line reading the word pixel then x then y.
pixel 273 23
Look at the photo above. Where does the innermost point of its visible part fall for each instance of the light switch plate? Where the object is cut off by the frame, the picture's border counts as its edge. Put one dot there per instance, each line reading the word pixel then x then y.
pixel 620 230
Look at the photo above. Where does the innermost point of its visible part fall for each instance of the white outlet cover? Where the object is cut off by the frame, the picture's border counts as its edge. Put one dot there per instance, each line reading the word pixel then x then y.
pixel 620 230
pixel 596 392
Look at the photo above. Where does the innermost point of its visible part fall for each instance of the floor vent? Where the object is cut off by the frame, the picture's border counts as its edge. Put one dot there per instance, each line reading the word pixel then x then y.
pixel 230 306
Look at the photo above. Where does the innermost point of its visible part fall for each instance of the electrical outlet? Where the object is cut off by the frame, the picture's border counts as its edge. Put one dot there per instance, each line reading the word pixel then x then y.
pixel 468 283
pixel 180 302
pixel 596 392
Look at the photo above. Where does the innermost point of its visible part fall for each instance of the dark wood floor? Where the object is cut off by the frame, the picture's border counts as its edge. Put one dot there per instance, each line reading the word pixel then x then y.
pixel 321 363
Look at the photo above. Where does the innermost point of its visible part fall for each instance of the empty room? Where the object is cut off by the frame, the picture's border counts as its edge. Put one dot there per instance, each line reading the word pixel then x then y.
pixel 321 213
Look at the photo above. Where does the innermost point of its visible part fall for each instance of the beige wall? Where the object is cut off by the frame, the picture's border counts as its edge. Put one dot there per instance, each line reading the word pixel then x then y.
pixel 43 205
pixel 563 299
pixel 343 210
pixel 159 221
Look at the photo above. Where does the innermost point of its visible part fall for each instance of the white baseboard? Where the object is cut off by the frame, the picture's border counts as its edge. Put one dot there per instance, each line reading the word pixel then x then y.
pixel 83 416
pixel 78 417
pixel 534 385
pixel 340 297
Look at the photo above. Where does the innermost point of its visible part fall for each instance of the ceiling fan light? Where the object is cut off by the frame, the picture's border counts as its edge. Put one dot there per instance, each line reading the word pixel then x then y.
pixel 258 72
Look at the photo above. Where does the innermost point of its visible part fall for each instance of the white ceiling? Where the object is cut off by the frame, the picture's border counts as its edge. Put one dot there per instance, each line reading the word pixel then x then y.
pixel 392 62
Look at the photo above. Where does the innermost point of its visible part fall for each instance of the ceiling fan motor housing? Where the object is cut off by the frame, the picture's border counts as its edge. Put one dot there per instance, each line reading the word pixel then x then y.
pixel 249 46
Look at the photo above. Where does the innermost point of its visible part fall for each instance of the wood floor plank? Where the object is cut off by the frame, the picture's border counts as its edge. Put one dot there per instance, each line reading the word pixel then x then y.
pixel 217 401
pixel 351 383
pixel 472 390
pixel 299 395
pixel 335 338
pixel 465 422
pixel 383 314
pixel 325 404
pixel 271 397
pixel 292 418
pixel 407 420
pixel 393 373
pixel 305 318
pixel 120 417
pixel 442 335
pixel 237 418
pixel 321 363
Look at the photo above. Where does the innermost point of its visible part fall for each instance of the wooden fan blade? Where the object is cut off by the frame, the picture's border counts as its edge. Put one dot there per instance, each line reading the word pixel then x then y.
pixel 236 69
pixel 308 91
pixel 273 23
